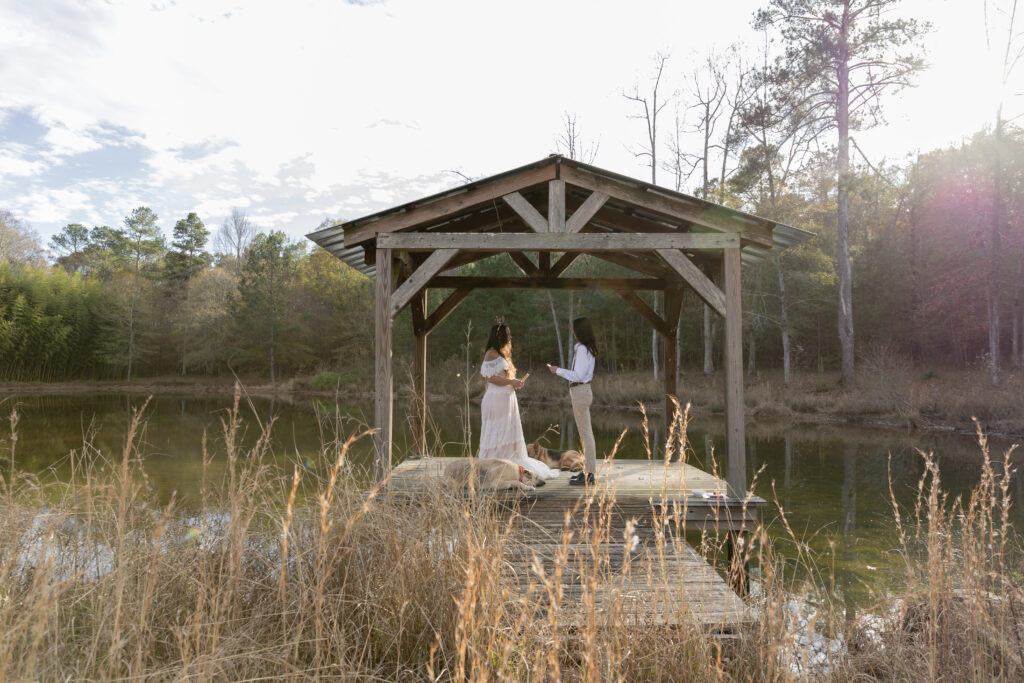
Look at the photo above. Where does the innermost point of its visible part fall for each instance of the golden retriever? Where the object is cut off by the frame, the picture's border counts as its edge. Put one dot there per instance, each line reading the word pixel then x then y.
pixel 572 461
pixel 492 474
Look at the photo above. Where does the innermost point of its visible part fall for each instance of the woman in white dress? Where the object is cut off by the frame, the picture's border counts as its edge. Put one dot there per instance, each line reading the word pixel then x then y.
pixel 501 430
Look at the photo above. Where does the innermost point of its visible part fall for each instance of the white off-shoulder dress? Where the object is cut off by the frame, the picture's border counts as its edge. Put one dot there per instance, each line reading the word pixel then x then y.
pixel 501 429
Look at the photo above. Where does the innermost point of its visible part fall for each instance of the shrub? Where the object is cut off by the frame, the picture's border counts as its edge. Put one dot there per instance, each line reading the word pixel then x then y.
pixel 325 381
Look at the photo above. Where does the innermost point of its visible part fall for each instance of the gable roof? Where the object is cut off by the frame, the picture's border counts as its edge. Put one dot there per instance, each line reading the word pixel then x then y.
pixel 632 206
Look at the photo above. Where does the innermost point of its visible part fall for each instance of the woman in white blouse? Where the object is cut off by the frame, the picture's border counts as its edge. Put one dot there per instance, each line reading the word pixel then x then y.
pixel 501 429
pixel 582 396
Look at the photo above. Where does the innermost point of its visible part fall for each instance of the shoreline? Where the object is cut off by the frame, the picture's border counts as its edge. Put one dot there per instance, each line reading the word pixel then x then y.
pixel 775 415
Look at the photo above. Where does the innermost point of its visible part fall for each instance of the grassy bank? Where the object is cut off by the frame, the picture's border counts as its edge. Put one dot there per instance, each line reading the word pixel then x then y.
pixel 889 392
pixel 297 574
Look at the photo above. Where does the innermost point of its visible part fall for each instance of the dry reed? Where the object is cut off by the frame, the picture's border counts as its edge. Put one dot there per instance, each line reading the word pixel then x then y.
pixel 304 572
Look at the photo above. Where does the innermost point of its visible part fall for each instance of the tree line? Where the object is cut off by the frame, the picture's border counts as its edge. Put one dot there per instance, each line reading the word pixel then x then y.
pixel 774 131
pixel 126 302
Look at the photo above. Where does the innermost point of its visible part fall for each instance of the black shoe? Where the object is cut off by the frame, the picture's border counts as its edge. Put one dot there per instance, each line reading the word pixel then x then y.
pixel 581 478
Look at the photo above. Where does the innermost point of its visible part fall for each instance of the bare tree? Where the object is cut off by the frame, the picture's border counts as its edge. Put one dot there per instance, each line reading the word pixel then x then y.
pixel 651 109
pixel 571 144
pixel 455 171
pixel 717 94
pixel 19 244
pixel 779 129
pixel 235 236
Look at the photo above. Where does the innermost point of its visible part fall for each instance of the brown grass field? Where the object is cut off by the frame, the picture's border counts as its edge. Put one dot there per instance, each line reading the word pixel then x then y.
pixel 889 392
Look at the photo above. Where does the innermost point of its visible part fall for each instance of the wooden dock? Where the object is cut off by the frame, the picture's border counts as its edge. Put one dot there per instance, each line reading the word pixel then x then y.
pixel 636 582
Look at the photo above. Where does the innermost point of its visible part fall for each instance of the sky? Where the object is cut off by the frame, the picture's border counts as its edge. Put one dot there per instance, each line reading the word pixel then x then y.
pixel 303 110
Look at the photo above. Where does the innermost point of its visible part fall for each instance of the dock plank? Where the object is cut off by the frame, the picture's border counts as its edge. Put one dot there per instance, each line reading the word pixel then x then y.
pixel 638 584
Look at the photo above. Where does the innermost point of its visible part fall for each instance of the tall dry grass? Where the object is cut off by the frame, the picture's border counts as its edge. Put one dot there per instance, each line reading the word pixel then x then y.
pixel 306 572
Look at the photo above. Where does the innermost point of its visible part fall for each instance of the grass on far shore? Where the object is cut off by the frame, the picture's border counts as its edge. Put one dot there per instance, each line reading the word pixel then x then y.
pixel 889 390
pixel 298 573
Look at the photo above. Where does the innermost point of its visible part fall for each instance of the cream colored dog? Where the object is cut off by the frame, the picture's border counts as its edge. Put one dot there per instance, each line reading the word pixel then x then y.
pixel 492 474
pixel 558 460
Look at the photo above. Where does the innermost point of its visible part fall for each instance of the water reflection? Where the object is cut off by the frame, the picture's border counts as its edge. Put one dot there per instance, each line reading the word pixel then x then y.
pixel 832 483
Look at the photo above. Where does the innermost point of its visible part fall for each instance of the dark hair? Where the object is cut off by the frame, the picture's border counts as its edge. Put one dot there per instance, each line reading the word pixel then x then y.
pixel 499 337
pixel 585 334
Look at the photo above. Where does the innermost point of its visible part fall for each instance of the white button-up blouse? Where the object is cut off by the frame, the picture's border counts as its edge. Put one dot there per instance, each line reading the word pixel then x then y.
pixel 582 366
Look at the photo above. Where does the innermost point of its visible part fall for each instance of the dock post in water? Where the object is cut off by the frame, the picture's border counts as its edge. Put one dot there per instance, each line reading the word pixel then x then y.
pixel 419 331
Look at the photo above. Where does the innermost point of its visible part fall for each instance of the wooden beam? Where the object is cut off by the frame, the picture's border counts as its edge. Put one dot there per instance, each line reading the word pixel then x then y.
pixel 634 300
pixel 616 220
pixel 673 306
pixel 419 279
pixel 526 241
pixel 556 205
pixel 637 263
pixel 545 282
pixel 459 200
pixel 563 263
pixel 710 216
pixel 466 257
pixel 625 219
pixel 705 288
pixel 446 308
pixel 524 263
pixel 419 331
pixel 382 368
pixel 734 428
pixel 408 266
pixel 582 215
pixel 544 261
pixel 530 215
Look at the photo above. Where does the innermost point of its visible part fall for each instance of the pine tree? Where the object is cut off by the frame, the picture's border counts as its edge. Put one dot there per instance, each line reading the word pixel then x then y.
pixel 263 317
pixel 848 53
pixel 186 258
pixel 70 242
pixel 145 247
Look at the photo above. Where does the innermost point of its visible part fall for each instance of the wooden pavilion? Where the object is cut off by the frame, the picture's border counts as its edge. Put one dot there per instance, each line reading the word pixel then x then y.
pixel 558 209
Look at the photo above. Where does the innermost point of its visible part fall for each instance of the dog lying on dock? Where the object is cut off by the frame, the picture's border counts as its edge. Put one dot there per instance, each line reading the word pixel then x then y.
pixel 571 461
pixel 492 474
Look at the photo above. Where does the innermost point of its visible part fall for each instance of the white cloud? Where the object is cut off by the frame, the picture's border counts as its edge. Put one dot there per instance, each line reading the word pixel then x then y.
pixel 299 110
pixel 66 142
pixel 13 162
pixel 53 206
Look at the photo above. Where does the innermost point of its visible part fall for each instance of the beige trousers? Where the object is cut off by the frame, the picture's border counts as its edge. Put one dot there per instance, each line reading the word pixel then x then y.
pixel 582 397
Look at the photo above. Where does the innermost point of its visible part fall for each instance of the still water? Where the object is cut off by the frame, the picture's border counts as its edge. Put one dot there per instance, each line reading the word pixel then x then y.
pixel 832 483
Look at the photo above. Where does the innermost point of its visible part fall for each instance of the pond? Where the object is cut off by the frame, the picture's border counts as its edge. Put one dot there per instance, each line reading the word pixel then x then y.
pixel 832 482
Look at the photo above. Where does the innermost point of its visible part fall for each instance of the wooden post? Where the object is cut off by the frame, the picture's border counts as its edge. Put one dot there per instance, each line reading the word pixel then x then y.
pixel 670 386
pixel 419 331
pixel 734 437
pixel 556 205
pixel 673 301
pixel 735 445
pixel 382 368
pixel 739 563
